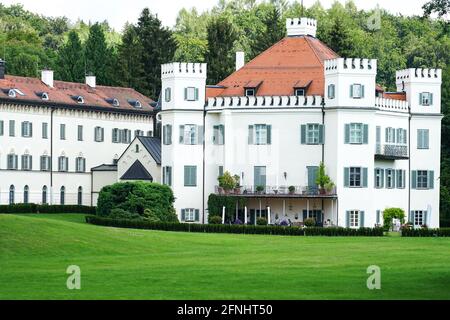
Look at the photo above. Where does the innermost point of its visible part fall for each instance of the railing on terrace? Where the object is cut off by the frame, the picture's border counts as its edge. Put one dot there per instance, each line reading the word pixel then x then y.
pixel 277 191
pixel 393 151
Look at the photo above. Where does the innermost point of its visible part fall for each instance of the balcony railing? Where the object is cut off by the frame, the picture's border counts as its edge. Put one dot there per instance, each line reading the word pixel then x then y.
pixel 281 191
pixel 391 151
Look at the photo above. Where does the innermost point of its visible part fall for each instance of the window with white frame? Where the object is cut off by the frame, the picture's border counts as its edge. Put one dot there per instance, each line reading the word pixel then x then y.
pixel 357 91
pixel 251 92
pixel 191 94
pixel 80 164
pixel 260 134
pixel 401 179
pixel 299 92
pixel 27 162
pixel 422 179
pixel 80 133
pixel 115 135
pixel 2 127
pixel 189 133
pixel 44 130
pixel 219 134
pixel 423 138
pixel 312 133
pixel 62 131
pixel 190 176
pixel 27 129
pixel 99 134
pixel 401 136
pixel 331 91
pixel 12 128
pixel 167 134
pixel 379 178
pixel 167 176
pixel 355 177
pixel 390 182
pixel 63 164
pixel 353 218
pixel 390 135
pixel 12 161
pixel 45 163
pixel 189 215
pixel 356 133
pixel 125 136
pixel 426 99
pixel 168 94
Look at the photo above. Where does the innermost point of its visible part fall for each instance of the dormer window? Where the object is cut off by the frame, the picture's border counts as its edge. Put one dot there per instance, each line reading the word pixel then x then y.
pixel 250 92
pixel 299 92
pixel 44 96
pixel 135 103
pixel 78 99
pixel 116 103
pixel 12 93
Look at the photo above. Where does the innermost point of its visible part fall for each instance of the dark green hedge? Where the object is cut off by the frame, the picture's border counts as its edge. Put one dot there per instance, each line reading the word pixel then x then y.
pixel 35 208
pixel 236 229
pixel 445 223
pixel 217 202
pixel 424 232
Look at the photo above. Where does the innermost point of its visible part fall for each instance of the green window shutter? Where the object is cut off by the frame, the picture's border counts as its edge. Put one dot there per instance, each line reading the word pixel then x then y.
pixel 347 133
pixel 362 91
pixel 215 134
pixel 351 91
pixel 164 135
pixel 197 215
pixel 365 133
pixel 364 177
pixel 393 178
pixel 419 139
pixel 31 129
pixel 378 135
pixel 321 134
pixel 375 178
pixel 221 134
pixel 169 134
pixel 426 138
pixel 431 99
pixel 181 134
pixel 420 99
pixel 269 134
pixel 196 94
pixel 303 134
pixel 382 178
pixel 386 135
pixel 399 132
pixel 378 216
pixel 414 179
pixel 347 219
pixel 404 136
pixel 23 129
pixel 186 176
pixel 346 177
pixel 411 216
pixel 185 93
pixel 430 179
pixel 183 215
pixel 425 217
pixel 250 134
pixel 361 219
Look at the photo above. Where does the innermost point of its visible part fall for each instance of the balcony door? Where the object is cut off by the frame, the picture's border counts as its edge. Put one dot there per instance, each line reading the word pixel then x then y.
pixel 259 177
pixel 312 177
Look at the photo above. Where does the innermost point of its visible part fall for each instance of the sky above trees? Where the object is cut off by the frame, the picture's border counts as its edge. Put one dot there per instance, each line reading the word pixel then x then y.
pixel 118 12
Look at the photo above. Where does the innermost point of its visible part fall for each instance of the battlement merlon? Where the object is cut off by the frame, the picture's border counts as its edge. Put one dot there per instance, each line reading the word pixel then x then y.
pixel 301 27
pixel 351 65
pixel 419 75
pixel 184 70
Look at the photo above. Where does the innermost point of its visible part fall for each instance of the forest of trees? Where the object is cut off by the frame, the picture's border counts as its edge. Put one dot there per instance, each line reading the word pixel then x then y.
pixel 132 58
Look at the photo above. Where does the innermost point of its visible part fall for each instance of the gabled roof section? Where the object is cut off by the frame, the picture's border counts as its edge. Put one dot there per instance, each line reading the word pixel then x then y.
pixel 153 146
pixel 280 68
pixel 105 167
pixel 63 93
pixel 137 172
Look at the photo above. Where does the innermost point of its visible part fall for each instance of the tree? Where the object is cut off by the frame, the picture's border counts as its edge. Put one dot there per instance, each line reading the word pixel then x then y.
pixel 220 55
pixel 441 7
pixel 70 65
pixel 158 48
pixel 97 54
pixel 340 40
pixel 130 68
pixel 274 30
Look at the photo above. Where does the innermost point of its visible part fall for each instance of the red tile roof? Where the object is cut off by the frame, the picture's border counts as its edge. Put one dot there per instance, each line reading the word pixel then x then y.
pixel 63 93
pixel 291 61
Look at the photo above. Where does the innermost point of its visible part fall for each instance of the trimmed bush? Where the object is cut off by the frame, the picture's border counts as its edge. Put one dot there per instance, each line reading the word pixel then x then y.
pixel 445 223
pixel 310 222
pixel 135 198
pixel 215 220
pixel 261 221
pixel 34 208
pixel 425 232
pixel 235 229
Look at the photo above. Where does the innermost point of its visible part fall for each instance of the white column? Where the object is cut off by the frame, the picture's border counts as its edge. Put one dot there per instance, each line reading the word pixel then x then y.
pixel 260 208
pixel 223 215
pixel 284 207
pixel 268 215
pixel 245 216
pixel 332 210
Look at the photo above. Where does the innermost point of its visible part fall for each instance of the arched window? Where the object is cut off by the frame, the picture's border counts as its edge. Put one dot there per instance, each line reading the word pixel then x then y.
pixel 26 194
pixel 80 196
pixel 62 195
pixel 44 195
pixel 11 194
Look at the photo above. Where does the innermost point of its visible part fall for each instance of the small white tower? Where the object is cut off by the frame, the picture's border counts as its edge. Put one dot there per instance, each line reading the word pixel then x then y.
pixel 301 27
pixel 182 118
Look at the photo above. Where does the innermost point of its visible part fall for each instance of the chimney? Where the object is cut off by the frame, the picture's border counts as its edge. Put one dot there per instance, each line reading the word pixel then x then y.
pixel 91 81
pixel 2 69
pixel 301 27
pixel 47 77
pixel 240 60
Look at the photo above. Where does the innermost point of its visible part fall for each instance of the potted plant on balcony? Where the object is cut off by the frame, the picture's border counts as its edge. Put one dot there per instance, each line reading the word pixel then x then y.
pixel 259 189
pixel 323 180
pixel 226 182
pixel 291 189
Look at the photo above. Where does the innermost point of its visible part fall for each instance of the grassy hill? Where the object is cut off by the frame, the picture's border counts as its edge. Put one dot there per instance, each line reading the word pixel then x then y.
pixel 35 251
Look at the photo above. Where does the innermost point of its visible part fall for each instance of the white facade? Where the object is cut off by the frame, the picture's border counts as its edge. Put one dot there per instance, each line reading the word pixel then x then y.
pixel 369 144
pixel 59 132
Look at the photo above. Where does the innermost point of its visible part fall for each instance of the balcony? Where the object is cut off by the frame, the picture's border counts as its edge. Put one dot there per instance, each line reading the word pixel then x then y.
pixel 278 192
pixel 391 152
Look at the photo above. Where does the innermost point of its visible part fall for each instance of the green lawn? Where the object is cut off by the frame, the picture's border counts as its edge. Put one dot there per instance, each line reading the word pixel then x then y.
pixel 35 251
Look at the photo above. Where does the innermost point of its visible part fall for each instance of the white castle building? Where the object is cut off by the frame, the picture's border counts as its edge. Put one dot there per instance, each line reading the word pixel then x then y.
pixel 274 120
pixel 52 133
pixel 271 123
